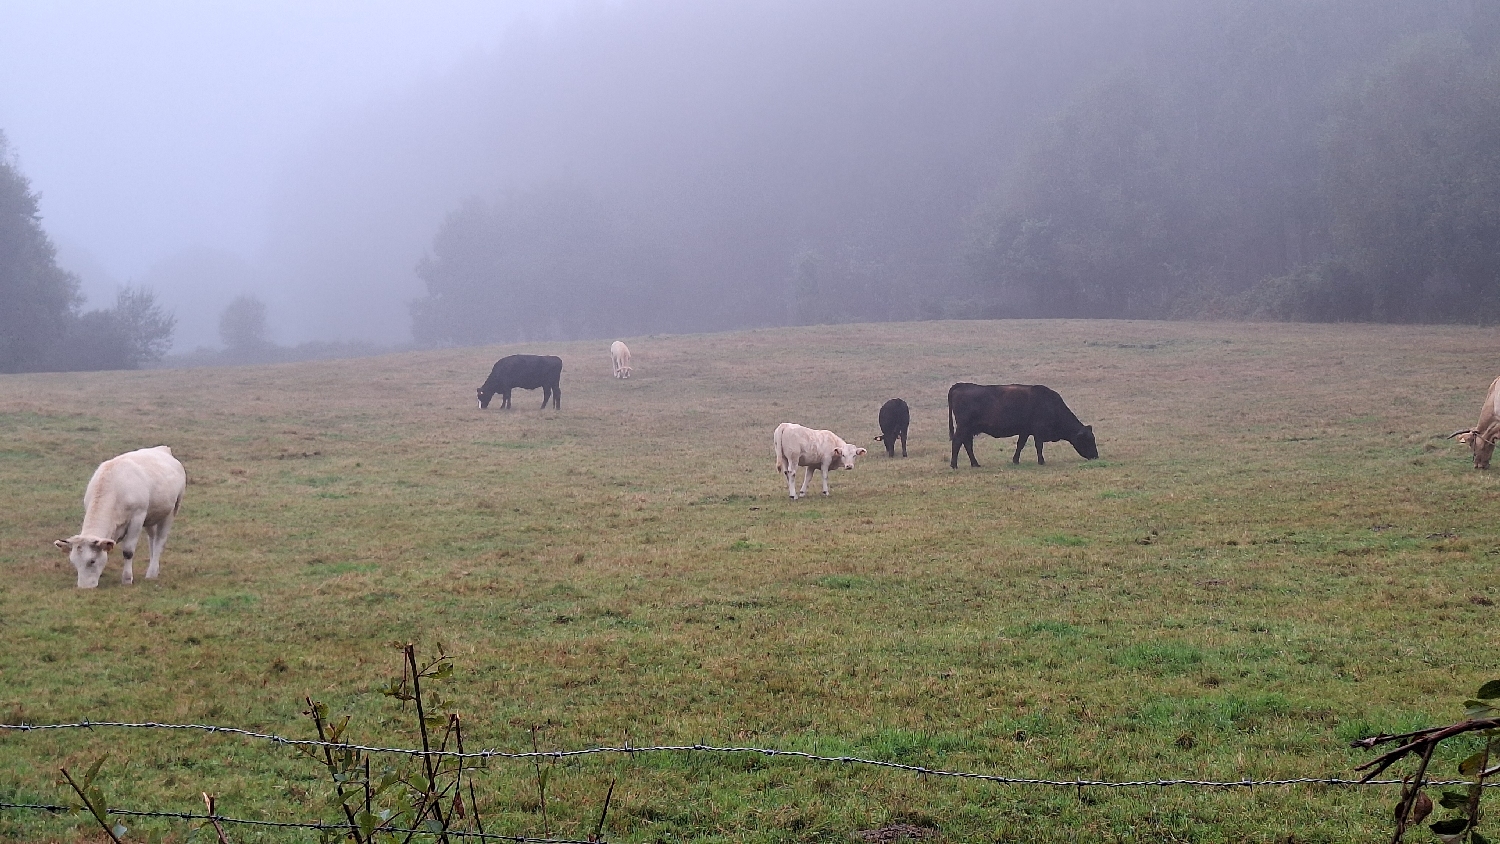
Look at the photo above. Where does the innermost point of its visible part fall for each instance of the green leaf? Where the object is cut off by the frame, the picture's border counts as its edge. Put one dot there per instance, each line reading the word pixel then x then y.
pixel 95 798
pixel 94 770
pixel 442 672
pixel 420 783
pixel 1452 826
pixel 433 825
pixel 1489 691
pixel 119 830
pixel 1478 709
pixel 1472 765
pixel 367 823
pixel 1453 800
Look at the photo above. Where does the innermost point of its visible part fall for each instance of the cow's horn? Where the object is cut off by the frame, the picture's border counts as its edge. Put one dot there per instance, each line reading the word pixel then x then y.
pixel 1460 431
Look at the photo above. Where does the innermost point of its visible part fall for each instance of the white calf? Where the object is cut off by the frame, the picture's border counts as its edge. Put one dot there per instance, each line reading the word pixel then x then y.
pixel 138 489
pixel 621 354
pixel 799 446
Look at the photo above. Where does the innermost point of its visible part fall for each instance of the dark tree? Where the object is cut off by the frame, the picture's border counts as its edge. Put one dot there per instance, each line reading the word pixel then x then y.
pixel 242 325
pixel 543 264
pixel 133 333
pixel 38 300
pixel 1233 169
pixel 1412 176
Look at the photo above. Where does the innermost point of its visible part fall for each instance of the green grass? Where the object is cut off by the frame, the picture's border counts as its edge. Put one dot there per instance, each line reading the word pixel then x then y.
pixel 1276 553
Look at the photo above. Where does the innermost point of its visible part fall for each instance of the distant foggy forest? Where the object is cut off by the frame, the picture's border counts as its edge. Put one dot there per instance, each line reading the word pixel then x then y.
pixel 673 166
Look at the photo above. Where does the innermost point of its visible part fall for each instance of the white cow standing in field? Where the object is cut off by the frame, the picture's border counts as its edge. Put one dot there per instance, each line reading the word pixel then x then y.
pixel 138 489
pixel 813 449
pixel 621 355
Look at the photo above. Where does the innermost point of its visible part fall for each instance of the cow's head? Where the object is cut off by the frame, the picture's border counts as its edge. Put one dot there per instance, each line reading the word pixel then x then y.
pixel 88 554
pixel 484 397
pixel 1481 447
pixel 846 454
pixel 1083 443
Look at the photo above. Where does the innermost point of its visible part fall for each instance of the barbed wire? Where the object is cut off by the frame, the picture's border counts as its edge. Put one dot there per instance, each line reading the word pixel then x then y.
pixel 318 825
pixel 705 748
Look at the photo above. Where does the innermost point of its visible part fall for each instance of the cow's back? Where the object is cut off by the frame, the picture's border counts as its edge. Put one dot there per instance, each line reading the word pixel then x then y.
pixel 1489 415
pixel 525 371
pixel 149 479
pixel 797 445
pixel 1000 410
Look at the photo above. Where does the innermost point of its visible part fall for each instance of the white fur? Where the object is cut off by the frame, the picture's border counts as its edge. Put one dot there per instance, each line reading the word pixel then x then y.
pixel 137 490
pixel 810 448
pixel 621 355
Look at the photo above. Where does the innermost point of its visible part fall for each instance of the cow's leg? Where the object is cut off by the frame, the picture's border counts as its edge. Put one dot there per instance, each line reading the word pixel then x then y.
pixel 157 534
pixel 127 547
pixel 546 396
pixel 903 443
pixel 557 397
pixel 953 464
pixel 969 447
pixel 1020 444
pixel 505 400
pixel 806 476
pixel 791 482
pixel 1040 460
pixel 824 467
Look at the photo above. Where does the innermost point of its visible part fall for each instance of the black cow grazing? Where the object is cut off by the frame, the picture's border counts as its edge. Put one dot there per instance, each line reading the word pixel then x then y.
pixel 1009 410
pixel 894 417
pixel 526 372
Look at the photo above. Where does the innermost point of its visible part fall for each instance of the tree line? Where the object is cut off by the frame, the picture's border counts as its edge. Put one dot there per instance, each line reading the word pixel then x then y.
pixel 1309 160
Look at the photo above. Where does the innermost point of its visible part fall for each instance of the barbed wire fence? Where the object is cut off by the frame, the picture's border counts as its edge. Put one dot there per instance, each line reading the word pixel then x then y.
pixel 629 750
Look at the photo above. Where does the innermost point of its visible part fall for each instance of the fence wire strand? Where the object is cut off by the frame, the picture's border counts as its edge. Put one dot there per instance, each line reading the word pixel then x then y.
pixel 334 827
pixel 705 748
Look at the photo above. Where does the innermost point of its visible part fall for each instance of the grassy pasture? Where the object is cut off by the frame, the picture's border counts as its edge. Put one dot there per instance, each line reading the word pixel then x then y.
pixel 1276 553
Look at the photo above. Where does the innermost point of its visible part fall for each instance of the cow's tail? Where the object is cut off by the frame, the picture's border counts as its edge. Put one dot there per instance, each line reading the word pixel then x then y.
pixel 950 416
pixel 780 458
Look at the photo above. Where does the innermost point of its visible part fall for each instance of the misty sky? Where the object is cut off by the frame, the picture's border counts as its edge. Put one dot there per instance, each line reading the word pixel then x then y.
pixel 153 129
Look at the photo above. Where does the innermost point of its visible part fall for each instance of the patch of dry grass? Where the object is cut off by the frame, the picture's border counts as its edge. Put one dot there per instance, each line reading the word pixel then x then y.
pixel 1275 552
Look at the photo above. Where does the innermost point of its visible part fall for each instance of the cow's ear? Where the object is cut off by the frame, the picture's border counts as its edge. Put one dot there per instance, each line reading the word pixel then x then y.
pixel 1465 437
pixel 105 545
pixel 880 438
pixel 859 451
pixel 64 544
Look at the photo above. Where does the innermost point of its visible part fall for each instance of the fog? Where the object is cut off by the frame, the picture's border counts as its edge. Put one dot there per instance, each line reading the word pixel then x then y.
pixel 157 133
pixel 471 172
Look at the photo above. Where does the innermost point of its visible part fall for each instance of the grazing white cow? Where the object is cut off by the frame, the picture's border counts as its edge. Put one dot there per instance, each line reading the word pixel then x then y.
pixel 138 489
pixel 813 449
pixel 621 355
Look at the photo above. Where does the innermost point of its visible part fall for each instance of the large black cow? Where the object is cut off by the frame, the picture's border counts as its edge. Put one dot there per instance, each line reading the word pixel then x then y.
pixel 526 372
pixel 895 416
pixel 1024 410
